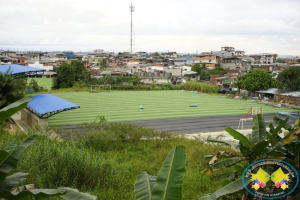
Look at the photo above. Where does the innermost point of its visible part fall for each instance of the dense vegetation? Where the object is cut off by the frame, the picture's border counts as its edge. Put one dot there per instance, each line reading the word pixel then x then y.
pixel 260 144
pixel 68 74
pixel 257 79
pixel 254 80
pixel 205 73
pixel 200 87
pixel 190 85
pixel 106 162
pixel 289 79
pixel 11 89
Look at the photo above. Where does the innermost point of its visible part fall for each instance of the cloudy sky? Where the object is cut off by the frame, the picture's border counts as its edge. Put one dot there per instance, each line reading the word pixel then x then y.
pixel 256 26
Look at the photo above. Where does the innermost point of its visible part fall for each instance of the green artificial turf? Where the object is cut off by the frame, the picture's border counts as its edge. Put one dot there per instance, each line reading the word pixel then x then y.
pixel 125 106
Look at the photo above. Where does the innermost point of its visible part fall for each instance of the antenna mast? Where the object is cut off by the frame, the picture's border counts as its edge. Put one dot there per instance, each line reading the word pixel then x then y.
pixel 131 9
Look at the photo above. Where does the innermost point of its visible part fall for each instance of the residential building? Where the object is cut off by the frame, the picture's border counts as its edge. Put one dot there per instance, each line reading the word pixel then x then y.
pixel 69 54
pixel 8 53
pixel 264 58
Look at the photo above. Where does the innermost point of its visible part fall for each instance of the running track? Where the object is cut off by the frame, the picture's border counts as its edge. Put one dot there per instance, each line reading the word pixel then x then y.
pixel 195 124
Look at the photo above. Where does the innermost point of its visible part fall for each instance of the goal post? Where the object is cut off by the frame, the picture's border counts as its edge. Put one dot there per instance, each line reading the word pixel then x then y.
pixel 100 88
pixel 254 111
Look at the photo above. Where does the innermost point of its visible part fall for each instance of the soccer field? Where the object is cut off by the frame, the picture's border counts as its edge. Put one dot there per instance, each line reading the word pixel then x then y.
pixel 125 106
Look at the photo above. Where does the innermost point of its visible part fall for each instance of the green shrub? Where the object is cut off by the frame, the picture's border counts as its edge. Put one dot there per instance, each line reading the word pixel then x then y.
pixel 116 136
pixel 200 87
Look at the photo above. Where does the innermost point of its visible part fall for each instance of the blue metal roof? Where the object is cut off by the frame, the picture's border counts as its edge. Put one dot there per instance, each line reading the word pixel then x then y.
pixel 47 105
pixel 186 57
pixel 18 69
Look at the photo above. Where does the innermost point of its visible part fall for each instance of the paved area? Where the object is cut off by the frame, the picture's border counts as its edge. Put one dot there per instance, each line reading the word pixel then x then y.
pixel 196 124
pixel 204 124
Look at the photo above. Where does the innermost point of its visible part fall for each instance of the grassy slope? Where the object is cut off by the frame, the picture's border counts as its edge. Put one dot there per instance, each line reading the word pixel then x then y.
pixel 124 106
pixel 111 174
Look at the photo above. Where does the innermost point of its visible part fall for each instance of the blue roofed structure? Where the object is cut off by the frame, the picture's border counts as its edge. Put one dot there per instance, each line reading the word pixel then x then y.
pixel 186 57
pixel 47 105
pixel 19 69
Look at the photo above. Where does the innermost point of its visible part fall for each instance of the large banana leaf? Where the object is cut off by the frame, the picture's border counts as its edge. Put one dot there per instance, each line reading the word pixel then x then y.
pixel 223 142
pixel 238 136
pixel 168 184
pixel 13 108
pixel 274 132
pixel 10 147
pixel 228 189
pixel 271 127
pixel 143 186
pixel 280 126
pixel 10 162
pixel 288 138
pixel 5 152
pixel 12 180
pixel 73 194
pixel 258 129
pixel 275 137
pixel 259 148
pixel 222 164
pixel 245 151
pixel 279 121
pixel 64 192
pixel 37 193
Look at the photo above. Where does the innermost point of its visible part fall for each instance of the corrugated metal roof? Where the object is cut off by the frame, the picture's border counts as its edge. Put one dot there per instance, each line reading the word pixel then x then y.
pixel 46 105
pixel 18 69
pixel 293 94
pixel 269 91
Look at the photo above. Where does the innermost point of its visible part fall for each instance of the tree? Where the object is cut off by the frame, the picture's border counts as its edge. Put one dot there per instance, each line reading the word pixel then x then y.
pixel 239 82
pixel 204 72
pixel 66 75
pixel 103 63
pixel 11 89
pixel 258 79
pixel 289 79
pixel 155 54
pixel 218 70
pixel 196 68
pixel 136 80
pixel 298 60
pixel 81 74
pixel 280 60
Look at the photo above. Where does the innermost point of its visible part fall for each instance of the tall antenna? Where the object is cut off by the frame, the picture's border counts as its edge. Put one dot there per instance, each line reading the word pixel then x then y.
pixel 131 9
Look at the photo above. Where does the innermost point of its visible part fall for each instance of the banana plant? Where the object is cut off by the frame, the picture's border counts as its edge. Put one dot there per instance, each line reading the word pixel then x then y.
pixel 168 183
pixel 13 108
pixel 260 144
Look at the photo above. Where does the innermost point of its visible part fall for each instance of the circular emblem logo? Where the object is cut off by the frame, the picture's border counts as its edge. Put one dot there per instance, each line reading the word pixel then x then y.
pixel 270 179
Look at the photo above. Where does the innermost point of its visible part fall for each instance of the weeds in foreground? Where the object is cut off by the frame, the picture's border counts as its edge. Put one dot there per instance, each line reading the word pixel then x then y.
pixel 106 160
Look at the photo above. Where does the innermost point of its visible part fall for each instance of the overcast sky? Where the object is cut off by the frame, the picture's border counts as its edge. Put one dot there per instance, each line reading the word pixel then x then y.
pixel 185 26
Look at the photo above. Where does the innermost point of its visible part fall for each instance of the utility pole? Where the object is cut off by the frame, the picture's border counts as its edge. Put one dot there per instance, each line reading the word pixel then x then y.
pixel 131 9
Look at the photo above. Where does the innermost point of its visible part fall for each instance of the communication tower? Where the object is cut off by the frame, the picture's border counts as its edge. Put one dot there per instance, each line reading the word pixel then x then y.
pixel 131 9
